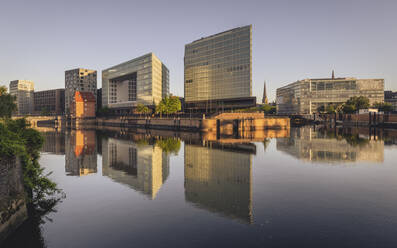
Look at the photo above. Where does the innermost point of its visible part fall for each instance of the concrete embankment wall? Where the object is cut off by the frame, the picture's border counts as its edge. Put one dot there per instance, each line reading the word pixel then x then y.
pixel 13 211
pixel 363 120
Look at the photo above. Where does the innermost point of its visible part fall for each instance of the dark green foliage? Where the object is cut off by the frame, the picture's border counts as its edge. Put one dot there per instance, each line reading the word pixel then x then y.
pixel 7 103
pixel 17 139
pixel 384 106
pixel 355 103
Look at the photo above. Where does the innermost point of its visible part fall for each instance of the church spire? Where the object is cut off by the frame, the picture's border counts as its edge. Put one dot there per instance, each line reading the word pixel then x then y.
pixel 264 99
pixel 333 74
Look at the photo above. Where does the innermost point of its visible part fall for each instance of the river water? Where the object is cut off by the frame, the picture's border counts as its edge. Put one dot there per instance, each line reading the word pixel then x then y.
pixel 306 187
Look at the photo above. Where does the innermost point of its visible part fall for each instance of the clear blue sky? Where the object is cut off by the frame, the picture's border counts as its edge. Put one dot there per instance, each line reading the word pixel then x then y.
pixel 292 40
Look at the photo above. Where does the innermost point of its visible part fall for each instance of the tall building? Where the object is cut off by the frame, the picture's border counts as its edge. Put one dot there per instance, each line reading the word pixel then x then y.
pixel 49 101
pixel 79 80
pixel 306 96
pixel 218 71
pixel 264 98
pixel 23 91
pixel 391 97
pixel 142 80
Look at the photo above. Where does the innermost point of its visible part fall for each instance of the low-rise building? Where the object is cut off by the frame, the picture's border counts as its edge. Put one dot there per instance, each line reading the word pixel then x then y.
pixel 391 97
pixel 23 92
pixel 83 105
pixel 49 102
pixel 308 95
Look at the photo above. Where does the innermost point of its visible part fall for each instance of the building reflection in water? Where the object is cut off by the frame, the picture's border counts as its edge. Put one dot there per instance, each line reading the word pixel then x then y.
pixel 140 165
pixel 54 142
pixel 81 154
pixel 332 146
pixel 218 178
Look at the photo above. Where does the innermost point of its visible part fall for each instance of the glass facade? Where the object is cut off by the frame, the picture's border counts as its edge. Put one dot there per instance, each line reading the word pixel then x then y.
pixel 142 80
pixel 219 66
pixel 306 96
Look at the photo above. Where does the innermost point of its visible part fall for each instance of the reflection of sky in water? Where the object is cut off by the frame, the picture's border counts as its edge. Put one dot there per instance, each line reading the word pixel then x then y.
pixel 204 196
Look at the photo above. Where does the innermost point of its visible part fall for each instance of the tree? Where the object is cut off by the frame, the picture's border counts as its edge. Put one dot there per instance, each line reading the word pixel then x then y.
pixel 355 103
pixel 142 109
pixel 269 109
pixel 169 105
pixel 384 106
pixel 7 103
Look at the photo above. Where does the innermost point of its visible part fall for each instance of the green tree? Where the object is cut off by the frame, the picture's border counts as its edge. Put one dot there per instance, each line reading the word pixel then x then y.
pixel 169 105
pixel 142 109
pixel 383 106
pixel 355 103
pixel 7 103
pixel 269 109
pixel 169 145
pixel 330 109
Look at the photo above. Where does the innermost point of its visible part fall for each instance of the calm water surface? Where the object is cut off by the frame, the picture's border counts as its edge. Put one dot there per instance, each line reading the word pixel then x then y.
pixel 309 187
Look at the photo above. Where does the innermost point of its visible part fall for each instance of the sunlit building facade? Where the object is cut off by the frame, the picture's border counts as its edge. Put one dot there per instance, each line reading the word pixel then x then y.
pixel 79 79
pixel 308 95
pixel 142 80
pixel 219 180
pixel 218 70
pixel 143 167
pixel 23 92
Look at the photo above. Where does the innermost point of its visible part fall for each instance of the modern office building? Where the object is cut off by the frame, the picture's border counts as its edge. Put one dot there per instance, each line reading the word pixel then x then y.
pixel 79 80
pixel 143 167
pixel 306 96
pixel 49 101
pixel 23 91
pixel 391 97
pixel 219 180
pixel 218 71
pixel 142 80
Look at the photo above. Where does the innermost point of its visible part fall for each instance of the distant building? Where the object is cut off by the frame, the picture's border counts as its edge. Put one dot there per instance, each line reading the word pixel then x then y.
pixel 79 80
pixel 49 101
pixel 218 71
pixel 264 98
pixel 143 80
pixel 23 91
pixel 306 96
pixel 391 97
pixel 83 105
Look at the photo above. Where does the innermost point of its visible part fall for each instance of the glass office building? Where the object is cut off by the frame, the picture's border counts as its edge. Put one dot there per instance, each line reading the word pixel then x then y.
pixel 142 80
pixel 307 96
pixel 218 70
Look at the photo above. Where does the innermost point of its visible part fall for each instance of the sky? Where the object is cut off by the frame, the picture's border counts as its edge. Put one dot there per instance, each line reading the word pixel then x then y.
pixel 291 40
